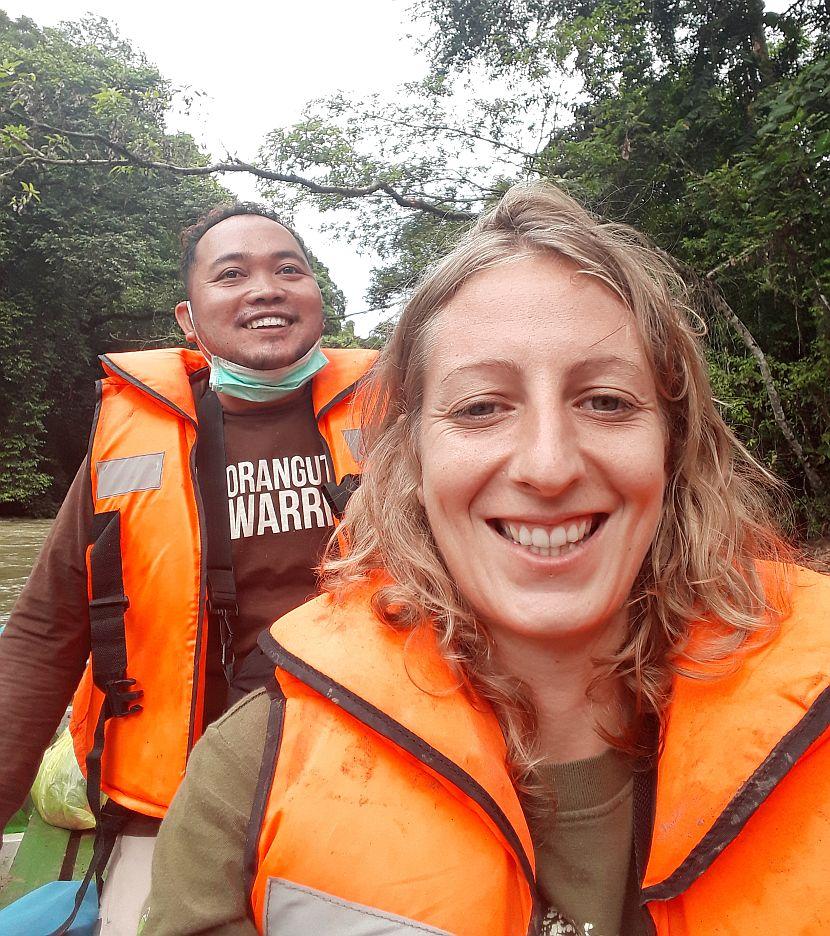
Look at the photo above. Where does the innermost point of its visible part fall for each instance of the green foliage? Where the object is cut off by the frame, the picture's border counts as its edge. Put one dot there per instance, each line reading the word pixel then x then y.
pixel 22 384
pixel 344 338
pixel 87 262
pixel 723 159
pixel 413 143
pixel 707 125
pixel 88 259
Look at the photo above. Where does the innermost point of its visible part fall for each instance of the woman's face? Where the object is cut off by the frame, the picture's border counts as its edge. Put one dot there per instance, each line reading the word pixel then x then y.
pixel 542 449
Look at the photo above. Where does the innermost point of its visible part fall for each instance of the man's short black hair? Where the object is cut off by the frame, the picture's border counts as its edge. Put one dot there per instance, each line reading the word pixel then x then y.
pixel 191 236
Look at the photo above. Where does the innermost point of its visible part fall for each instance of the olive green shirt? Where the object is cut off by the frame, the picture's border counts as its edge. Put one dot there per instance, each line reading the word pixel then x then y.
pixel 584 866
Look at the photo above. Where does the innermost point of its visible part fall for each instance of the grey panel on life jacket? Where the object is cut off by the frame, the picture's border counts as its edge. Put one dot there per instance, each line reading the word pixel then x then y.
pixel 125 475
pixel 294 910
pixel 354 439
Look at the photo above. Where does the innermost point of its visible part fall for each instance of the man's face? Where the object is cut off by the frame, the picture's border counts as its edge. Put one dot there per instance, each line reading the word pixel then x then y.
pixel 253 297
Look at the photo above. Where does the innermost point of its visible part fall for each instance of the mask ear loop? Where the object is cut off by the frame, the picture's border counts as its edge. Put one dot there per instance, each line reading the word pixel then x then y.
pixel 202 348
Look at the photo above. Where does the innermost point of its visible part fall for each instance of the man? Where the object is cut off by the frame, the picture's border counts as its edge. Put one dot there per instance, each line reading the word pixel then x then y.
pixel 210 488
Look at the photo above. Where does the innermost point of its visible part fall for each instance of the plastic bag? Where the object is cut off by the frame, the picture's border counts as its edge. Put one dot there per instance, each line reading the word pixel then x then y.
pixel 59 790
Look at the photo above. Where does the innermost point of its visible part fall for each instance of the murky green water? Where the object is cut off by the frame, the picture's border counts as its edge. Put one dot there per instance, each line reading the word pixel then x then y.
pixel 20 542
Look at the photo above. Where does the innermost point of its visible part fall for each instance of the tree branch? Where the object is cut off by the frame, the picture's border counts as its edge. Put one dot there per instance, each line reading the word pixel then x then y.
pixel 456 131
pixel 720 304
pixel 733 261
pixel 130 159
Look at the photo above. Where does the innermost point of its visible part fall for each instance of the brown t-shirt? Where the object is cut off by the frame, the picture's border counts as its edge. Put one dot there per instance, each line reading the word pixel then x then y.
pixel 279 523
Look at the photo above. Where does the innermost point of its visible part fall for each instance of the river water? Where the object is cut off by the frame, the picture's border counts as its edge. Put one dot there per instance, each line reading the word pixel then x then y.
pixel 20 541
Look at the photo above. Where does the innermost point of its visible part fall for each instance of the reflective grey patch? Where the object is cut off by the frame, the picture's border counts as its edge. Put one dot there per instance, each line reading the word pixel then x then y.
pixel 294 910
pixel 123 475
pixel 355 442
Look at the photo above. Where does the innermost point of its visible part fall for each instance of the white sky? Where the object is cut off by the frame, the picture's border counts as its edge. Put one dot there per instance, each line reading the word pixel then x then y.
pixel 258 65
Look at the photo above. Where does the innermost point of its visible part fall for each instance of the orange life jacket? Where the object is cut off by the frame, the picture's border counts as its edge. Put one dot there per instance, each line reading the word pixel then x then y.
pixel 741 830
pixel 390 799
pixel 384 789
pixel 142 457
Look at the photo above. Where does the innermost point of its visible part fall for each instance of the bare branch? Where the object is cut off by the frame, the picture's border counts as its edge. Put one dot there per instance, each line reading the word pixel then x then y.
pixel 456 131
pixel 733 261
pixel 128 159
pixel 708 287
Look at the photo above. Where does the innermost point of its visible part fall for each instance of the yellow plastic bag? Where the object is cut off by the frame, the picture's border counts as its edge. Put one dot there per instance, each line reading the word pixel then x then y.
pixel 59 790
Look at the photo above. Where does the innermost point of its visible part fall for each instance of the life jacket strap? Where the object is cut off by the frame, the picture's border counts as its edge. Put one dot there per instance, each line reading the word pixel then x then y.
pixel 222 605
pixel 111 820
pixel 108 647
pixel 338 495
pixel 108 642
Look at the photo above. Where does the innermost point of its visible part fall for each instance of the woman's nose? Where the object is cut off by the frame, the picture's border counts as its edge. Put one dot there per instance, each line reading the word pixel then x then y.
pixel 547 455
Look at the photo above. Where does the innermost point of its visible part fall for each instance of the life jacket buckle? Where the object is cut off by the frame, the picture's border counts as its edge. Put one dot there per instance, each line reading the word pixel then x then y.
pixel 223 615
pixel 338 495
pixel 221 606
pixel 119 697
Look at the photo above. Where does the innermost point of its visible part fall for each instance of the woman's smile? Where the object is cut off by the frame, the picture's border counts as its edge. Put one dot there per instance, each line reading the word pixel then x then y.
pixel 549 541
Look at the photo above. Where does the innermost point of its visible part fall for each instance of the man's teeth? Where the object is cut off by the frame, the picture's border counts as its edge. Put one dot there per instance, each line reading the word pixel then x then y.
pixel 550 542
pixel 268 321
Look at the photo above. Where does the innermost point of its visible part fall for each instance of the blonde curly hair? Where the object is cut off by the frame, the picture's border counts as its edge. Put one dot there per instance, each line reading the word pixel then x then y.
pixel 715 524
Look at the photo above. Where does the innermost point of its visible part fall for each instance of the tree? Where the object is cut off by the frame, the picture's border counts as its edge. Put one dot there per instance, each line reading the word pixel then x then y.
pixel 88 259
pixel 706 124
pixel 703 122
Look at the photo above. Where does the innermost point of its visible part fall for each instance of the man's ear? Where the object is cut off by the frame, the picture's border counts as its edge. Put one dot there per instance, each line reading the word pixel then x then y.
pixel 185 320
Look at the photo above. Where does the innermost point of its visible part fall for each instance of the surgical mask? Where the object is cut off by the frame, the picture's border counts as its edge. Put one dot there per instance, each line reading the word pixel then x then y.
pixel 262 386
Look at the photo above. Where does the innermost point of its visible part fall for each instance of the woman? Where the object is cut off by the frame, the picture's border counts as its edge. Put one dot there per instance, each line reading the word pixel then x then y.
pixel 562 680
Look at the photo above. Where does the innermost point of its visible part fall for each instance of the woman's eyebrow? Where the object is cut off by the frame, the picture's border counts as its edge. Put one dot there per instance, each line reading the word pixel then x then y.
pixel 590 364
pixel 486 364
pixel 606 361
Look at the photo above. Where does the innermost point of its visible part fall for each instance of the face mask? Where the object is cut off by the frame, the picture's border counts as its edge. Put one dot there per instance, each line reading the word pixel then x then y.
pixel 262 386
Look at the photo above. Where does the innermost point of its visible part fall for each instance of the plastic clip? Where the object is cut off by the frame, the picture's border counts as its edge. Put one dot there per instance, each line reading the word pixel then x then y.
pixel 119 698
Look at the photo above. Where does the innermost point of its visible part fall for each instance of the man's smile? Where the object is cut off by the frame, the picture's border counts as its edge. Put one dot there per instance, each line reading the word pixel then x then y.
pixel 268 321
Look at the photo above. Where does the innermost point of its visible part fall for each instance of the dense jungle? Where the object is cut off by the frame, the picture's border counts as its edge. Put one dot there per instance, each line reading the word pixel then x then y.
pixel 706 124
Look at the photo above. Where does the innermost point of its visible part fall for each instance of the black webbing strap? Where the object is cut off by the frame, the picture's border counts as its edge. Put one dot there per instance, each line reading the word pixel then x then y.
pixel 108 642
pixel 644 798
pixel 210 468
pixel 338 495
pixel 111 820
pixel 107 638
pixel 108 648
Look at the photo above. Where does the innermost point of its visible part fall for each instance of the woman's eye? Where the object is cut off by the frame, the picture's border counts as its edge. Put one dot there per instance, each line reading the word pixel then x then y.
pixel 477 409
pixel 606 403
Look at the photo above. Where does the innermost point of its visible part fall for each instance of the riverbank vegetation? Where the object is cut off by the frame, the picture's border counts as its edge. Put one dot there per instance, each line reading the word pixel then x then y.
pixel 706 124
